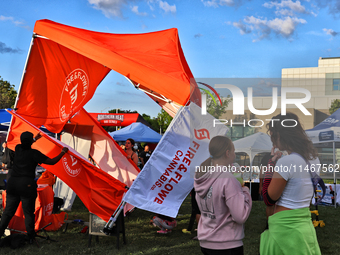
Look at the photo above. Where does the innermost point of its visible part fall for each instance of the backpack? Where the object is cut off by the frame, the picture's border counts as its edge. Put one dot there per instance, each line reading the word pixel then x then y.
pixel 316 180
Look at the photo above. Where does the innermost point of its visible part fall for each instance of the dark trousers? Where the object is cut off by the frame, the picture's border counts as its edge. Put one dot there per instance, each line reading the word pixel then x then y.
pixel 233 251
pixel 194 210
pixel 22 189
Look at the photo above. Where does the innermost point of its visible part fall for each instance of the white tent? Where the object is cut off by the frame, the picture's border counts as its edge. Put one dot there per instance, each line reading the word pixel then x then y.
pixel 252 145
pixel 328 134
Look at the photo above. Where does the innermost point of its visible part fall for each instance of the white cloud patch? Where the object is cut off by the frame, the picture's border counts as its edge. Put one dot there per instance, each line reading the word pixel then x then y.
pixel 283 22
pixel 243 27
pixel 134 9
pixel 217 3
pixel 110 8
pixel 316 33
pixel 284 27
pixel 264 87
pixel 332 5
pixel 15 22
pixel 167 7
pixel 114 8
pixel 330 32
pixel 3 18
pixel 291 5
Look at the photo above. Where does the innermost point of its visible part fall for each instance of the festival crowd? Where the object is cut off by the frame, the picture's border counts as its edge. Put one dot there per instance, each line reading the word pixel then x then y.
pixel 221 203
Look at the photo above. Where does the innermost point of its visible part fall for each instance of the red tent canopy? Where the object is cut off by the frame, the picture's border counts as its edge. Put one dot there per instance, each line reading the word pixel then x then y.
pixel 153 62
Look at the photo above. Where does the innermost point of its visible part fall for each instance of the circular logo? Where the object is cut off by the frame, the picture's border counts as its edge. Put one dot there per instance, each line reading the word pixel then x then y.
pixel 71 165
pixel 73 94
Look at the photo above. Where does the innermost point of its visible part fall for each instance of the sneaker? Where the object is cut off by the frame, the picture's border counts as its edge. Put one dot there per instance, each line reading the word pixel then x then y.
pixel 171 223
pixel 185 231
pixel 164 231
pixel 164 223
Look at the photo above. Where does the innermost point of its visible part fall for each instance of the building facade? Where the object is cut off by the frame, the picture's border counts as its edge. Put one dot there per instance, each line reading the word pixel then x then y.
pixel 323 82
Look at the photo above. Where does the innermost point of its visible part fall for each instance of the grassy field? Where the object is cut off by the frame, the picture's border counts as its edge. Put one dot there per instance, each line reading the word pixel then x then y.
pixel 143 239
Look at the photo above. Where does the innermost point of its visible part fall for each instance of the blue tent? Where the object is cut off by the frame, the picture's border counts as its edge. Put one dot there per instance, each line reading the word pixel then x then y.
pixel 327 130
pixel 327 134
pixel 138 132
pixel 5 119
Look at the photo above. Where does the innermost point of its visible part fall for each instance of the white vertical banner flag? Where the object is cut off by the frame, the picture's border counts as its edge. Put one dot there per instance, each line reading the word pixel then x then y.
pixel 165 180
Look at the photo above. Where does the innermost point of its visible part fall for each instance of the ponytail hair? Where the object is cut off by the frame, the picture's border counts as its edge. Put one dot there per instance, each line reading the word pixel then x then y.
pixel 217 148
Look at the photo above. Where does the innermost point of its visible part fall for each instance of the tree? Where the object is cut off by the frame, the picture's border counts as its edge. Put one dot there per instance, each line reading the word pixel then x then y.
pixel 121 111
pixel 152 121
pixel 216 109
pixel 163 120
pixel 335 105
pixel 7 94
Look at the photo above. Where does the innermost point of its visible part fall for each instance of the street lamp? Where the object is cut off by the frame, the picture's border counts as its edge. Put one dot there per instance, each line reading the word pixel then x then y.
pixel 116 113
pixel 160 125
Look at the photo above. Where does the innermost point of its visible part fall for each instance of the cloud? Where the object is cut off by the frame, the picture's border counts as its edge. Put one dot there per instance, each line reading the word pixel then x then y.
pixel 332 5
pixel 330 32
pixel 294 6
pixel 166 7
pixel 262 27
pixel 134 9
pixel 243 27
pixel 114 8
pixel 5 49
pixel 316 33
pixel 283 22
pixel 3 18
pixel 265 87
pixel 198 35
pixel 15 22
pixel 110 8
pixel 217 3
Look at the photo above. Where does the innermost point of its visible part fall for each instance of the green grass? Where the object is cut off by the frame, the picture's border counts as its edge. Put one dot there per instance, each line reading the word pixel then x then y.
pixel 143 239
pixel 331 181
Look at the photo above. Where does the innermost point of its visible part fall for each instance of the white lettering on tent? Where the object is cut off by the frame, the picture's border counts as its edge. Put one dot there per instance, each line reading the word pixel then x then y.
pixel 71 165
pixel 73 94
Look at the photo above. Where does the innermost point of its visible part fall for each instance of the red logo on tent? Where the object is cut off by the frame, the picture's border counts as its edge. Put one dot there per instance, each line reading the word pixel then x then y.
pixel 74 92
pixel 202 134
pixel 71 165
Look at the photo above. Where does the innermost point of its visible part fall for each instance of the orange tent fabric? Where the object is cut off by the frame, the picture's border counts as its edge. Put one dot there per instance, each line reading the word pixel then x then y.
pixel 99 191
pixel 47 178
pixel 56 85
pixel 64 68
pixel 106 152
pixel 154 60
pixel 43 212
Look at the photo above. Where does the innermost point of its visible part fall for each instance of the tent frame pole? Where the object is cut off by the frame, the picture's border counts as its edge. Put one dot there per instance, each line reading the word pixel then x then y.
pixel 334 177
pixel 21 81
pixel 163 98
pixel 24 71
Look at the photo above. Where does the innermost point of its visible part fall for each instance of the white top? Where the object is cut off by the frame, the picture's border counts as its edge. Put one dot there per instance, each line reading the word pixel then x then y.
pixel 299 189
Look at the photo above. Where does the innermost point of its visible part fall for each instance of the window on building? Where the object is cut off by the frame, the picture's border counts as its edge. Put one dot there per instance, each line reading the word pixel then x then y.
pixel 336 84
pixel 237 132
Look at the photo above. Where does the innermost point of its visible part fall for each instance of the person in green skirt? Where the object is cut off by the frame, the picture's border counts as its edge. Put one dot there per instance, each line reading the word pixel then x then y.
pixel 290 229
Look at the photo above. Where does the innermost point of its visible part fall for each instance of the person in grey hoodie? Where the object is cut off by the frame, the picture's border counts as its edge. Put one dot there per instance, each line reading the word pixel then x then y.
pixel 225 205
